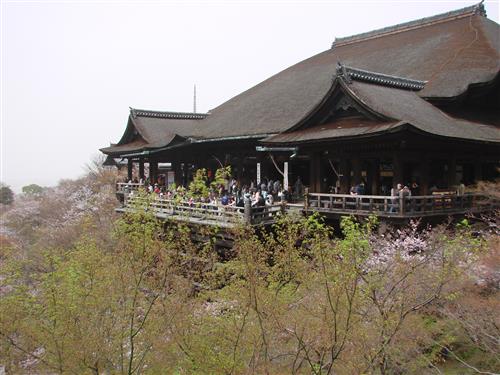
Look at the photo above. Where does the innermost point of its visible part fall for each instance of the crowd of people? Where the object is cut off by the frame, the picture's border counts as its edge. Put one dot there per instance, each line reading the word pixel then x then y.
pixel 231 193
pixel 265 193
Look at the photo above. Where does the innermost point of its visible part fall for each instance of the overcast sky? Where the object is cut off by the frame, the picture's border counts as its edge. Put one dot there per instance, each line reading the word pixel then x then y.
pixel 71 69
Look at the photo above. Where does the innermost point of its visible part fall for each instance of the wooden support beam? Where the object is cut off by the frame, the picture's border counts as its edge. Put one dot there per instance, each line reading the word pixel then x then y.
pixel 141 168
pixel 185 172
pixel 345 175
pixel 153 171
pixel 375 176
pixel 424 171
pixel 452 172
pixel 176 166
pixel 315 172
pixel 356 170
pixel 397 169
pixel 478 171
pixel 130 166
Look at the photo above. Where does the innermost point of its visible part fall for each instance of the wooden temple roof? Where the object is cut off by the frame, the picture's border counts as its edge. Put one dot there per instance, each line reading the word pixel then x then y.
pixel 393 108
pixel 396 71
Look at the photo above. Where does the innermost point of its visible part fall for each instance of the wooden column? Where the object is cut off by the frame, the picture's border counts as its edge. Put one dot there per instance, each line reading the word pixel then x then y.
pixel 356 169
pixel 424 171
pixel 141 168
pixel 397 170
pixel 345 179
pixel 240 174
pixel 478 171
pixel 452 172
pixel 315 173
pixel 130 166
pixel 176 166
pixel 153 171
pixel 267 167
pixel 185 171
pixel 375 176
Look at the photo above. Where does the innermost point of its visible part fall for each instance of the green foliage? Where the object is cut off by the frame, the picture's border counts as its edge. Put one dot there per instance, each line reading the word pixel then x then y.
pixel 32 189
pixel 6 195
pixel 222 175
pixel 198 188
pixel 295 298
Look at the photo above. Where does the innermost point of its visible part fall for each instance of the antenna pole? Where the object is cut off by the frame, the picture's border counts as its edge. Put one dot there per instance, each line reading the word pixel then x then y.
pixel 194 100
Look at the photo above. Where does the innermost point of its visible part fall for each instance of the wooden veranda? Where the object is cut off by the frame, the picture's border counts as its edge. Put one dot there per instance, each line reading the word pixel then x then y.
pixel 331 206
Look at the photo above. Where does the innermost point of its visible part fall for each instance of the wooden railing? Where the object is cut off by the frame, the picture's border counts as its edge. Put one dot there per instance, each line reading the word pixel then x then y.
pixel 205 213
pixel 336 204
pixel 128 187
pixel 426 205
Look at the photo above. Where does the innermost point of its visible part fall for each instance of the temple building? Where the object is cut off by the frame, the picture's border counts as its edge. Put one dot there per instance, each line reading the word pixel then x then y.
pixel 415 102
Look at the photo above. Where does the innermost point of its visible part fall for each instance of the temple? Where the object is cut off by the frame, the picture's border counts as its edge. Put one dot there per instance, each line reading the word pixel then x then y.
pixel 415 103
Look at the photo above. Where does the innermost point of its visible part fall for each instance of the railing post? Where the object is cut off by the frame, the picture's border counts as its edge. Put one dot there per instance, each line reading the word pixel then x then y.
pixel 248 209
pixel 401 204
pixel 306 199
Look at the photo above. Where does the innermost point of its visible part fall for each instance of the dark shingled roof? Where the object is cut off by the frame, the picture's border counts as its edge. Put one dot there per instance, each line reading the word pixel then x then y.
pixel 154 129
pixel 449 52
pixel 458 13
pixel 341 128
pixel 401 106
pixel 136 145
pixel 170 115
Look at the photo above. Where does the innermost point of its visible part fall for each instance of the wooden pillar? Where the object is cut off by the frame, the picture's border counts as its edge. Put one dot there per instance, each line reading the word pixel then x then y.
pixel 130 166
pixel 185 172
pixel 267 168
pixel 176 166
pixel 452 172
pixel 397 170
pixel 345 178
pixel 247 209
pixel 153 171
pixel 141 168
pixel 315 173
pixel 425 170
pixel 240 174
pixel 478 171
pixel 356 171
pixel 375 176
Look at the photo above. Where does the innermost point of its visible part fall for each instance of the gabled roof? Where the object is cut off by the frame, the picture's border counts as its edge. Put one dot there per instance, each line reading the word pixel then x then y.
pixel 448 52
pixel 402 27
pixel 148 130
pixel 393 107
pixel 170 115
pixel 449 55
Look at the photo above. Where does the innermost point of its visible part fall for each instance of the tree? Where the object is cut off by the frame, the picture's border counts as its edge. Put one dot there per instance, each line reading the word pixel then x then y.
pixel 33 189
pixel 222 176
pixel 198 187
pixel 6 195
pixel 90 308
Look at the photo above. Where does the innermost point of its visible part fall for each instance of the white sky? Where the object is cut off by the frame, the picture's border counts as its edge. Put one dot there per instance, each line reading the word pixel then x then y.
pixel 70 69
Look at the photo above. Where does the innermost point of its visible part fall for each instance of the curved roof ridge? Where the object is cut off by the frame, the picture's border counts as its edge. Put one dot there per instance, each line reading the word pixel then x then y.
pixel 167 114
pixel 349 73
pixel 410 25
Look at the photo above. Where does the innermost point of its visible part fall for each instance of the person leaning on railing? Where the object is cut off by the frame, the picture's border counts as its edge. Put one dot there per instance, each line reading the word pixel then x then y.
pixel 395 193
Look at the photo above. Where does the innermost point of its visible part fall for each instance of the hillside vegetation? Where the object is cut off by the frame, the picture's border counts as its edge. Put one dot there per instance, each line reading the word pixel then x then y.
pixel 83 290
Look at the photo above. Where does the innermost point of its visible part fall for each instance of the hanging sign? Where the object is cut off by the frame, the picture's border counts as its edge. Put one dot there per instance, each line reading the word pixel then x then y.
pixel 285 176
pixel 258 174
